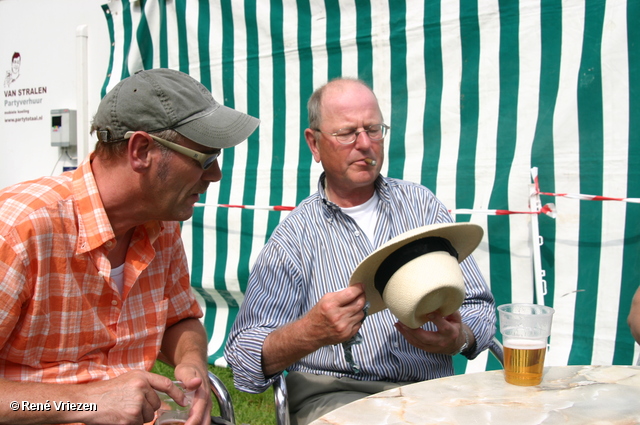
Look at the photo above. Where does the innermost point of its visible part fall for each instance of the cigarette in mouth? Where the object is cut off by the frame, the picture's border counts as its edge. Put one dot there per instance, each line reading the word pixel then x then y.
pixel 370 161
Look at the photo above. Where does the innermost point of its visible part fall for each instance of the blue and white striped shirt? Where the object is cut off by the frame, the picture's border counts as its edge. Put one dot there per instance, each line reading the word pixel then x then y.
pixel 314 251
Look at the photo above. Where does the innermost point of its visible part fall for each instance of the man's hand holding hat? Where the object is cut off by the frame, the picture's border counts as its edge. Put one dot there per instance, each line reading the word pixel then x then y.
pixel 452 335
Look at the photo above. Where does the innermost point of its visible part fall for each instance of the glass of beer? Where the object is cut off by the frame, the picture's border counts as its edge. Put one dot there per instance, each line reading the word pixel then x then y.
pixel 525 329
pixel 170 412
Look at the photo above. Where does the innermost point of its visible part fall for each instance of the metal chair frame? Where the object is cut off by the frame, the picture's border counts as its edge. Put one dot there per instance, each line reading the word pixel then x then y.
pixel 224 400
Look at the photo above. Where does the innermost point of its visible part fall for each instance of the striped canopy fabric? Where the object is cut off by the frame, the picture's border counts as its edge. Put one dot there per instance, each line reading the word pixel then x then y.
pixel 479 95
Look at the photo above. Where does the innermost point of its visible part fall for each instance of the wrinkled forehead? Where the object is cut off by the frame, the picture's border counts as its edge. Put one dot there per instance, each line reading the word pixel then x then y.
pixel 353 103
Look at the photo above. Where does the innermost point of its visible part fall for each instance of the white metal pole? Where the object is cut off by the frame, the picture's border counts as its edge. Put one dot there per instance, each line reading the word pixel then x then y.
pixel 536 239
pixel 82 96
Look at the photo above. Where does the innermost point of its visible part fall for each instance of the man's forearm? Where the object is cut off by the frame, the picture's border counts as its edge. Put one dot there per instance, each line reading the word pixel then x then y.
pixel 35 403
pixel 285 346
pixel 185 342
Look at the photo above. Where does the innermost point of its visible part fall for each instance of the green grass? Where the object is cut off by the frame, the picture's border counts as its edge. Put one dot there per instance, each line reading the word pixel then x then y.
pixel 252 409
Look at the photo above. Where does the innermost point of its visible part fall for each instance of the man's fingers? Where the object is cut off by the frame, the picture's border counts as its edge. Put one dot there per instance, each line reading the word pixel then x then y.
pixel 350 295
pixel 190 376
pixel 153 399
pixel 165 385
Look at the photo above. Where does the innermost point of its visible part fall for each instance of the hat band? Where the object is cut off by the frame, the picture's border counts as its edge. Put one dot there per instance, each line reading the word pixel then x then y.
pixel 407 253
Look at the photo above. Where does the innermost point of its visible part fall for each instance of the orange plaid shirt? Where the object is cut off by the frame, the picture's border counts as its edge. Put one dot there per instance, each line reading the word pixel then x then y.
pixel 62 318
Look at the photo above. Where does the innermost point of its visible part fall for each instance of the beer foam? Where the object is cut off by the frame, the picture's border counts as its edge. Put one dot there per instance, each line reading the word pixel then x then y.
pixel 525 344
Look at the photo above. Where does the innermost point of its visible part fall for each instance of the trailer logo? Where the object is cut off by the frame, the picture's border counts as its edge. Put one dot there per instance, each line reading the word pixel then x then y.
pixel 14 72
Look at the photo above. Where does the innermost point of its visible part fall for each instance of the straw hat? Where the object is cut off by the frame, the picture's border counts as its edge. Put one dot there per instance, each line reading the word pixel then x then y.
pixel 418 272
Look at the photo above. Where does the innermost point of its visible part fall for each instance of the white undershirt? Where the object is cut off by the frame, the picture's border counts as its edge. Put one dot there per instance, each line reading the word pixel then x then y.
pixel 366 216
pixel 117 274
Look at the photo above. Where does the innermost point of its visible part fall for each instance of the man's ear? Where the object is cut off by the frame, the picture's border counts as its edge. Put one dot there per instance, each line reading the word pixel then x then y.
pixel 139 151
pixel 310 137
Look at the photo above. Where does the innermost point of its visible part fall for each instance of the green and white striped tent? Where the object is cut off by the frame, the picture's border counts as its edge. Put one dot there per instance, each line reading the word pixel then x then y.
pixel 478 93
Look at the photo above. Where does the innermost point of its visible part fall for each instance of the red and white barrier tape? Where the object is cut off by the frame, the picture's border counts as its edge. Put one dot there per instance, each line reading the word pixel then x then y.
pixel 534 175
pixel 549 209
pixel 590 197
pixel 248 207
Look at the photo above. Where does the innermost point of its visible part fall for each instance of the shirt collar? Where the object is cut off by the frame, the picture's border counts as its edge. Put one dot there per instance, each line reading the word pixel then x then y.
pixel 94 228
pixel 381 185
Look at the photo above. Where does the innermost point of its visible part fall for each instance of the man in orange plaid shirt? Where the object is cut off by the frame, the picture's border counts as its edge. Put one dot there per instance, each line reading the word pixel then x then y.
pixel 94 281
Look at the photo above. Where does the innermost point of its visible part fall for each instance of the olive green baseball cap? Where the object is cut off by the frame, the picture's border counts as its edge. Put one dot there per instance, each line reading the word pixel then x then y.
pixel 161 99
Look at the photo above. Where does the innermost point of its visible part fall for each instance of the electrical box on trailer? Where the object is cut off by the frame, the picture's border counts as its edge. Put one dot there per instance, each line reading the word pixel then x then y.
pixel 63 128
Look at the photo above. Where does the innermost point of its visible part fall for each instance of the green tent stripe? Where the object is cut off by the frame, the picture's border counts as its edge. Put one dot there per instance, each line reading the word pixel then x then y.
pixel 197 221
pixel 112 41
pixel 127 23
pixel 164 37
pixel 543 143
pixel 590 125
pixel 224 196
pixel 469 104
pixel 363 40
pixel 508 105
pixel 197 244
pixel 305 55
pixel 251 168
pixel 431 124
pixel 279 102
pixel 210 316
pixel 630 271
pixel 219 353
pixel 333 46
pixel 399 90
pixel 183 36
pixel 499 231
pixel 204 32
pixel 143 37
pixel 469 114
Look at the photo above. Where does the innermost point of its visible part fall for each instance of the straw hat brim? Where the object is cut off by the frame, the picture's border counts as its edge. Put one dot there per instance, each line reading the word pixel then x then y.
pixel 464 237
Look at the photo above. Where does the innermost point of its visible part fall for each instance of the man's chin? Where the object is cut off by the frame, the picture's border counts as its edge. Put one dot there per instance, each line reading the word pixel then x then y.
pixel 184 214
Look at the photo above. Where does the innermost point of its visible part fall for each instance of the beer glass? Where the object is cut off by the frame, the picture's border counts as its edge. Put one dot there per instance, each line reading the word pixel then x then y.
pixel 170 412
pixel 525 329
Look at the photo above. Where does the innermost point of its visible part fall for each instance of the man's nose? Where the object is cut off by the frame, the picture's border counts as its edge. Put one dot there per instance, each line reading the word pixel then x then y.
pixel 213 173
pixel 364 140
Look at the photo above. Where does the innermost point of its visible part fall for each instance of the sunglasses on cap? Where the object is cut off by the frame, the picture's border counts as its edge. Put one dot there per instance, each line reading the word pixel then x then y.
pixel 205 159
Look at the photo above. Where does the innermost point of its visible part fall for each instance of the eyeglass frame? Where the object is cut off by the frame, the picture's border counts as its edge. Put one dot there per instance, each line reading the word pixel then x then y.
pixel 383 128
pixel 206 160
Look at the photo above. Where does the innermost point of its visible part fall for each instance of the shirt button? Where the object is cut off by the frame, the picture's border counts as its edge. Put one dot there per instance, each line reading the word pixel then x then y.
pixel 356 233
pixel 108 244
pixel 114 302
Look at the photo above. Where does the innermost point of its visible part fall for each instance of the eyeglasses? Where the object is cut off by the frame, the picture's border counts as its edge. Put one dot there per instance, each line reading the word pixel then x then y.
pixel 346 136
pixel 205 159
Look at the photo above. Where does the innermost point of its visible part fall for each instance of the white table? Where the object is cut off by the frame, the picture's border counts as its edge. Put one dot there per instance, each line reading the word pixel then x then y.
pixel 567 395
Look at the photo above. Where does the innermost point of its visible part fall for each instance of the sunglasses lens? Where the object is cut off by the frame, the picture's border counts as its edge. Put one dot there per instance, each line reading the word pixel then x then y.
pixel 209 161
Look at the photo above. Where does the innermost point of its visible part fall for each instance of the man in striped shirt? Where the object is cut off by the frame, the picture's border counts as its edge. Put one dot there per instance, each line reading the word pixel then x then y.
pixel 299 310
pixel 94 282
